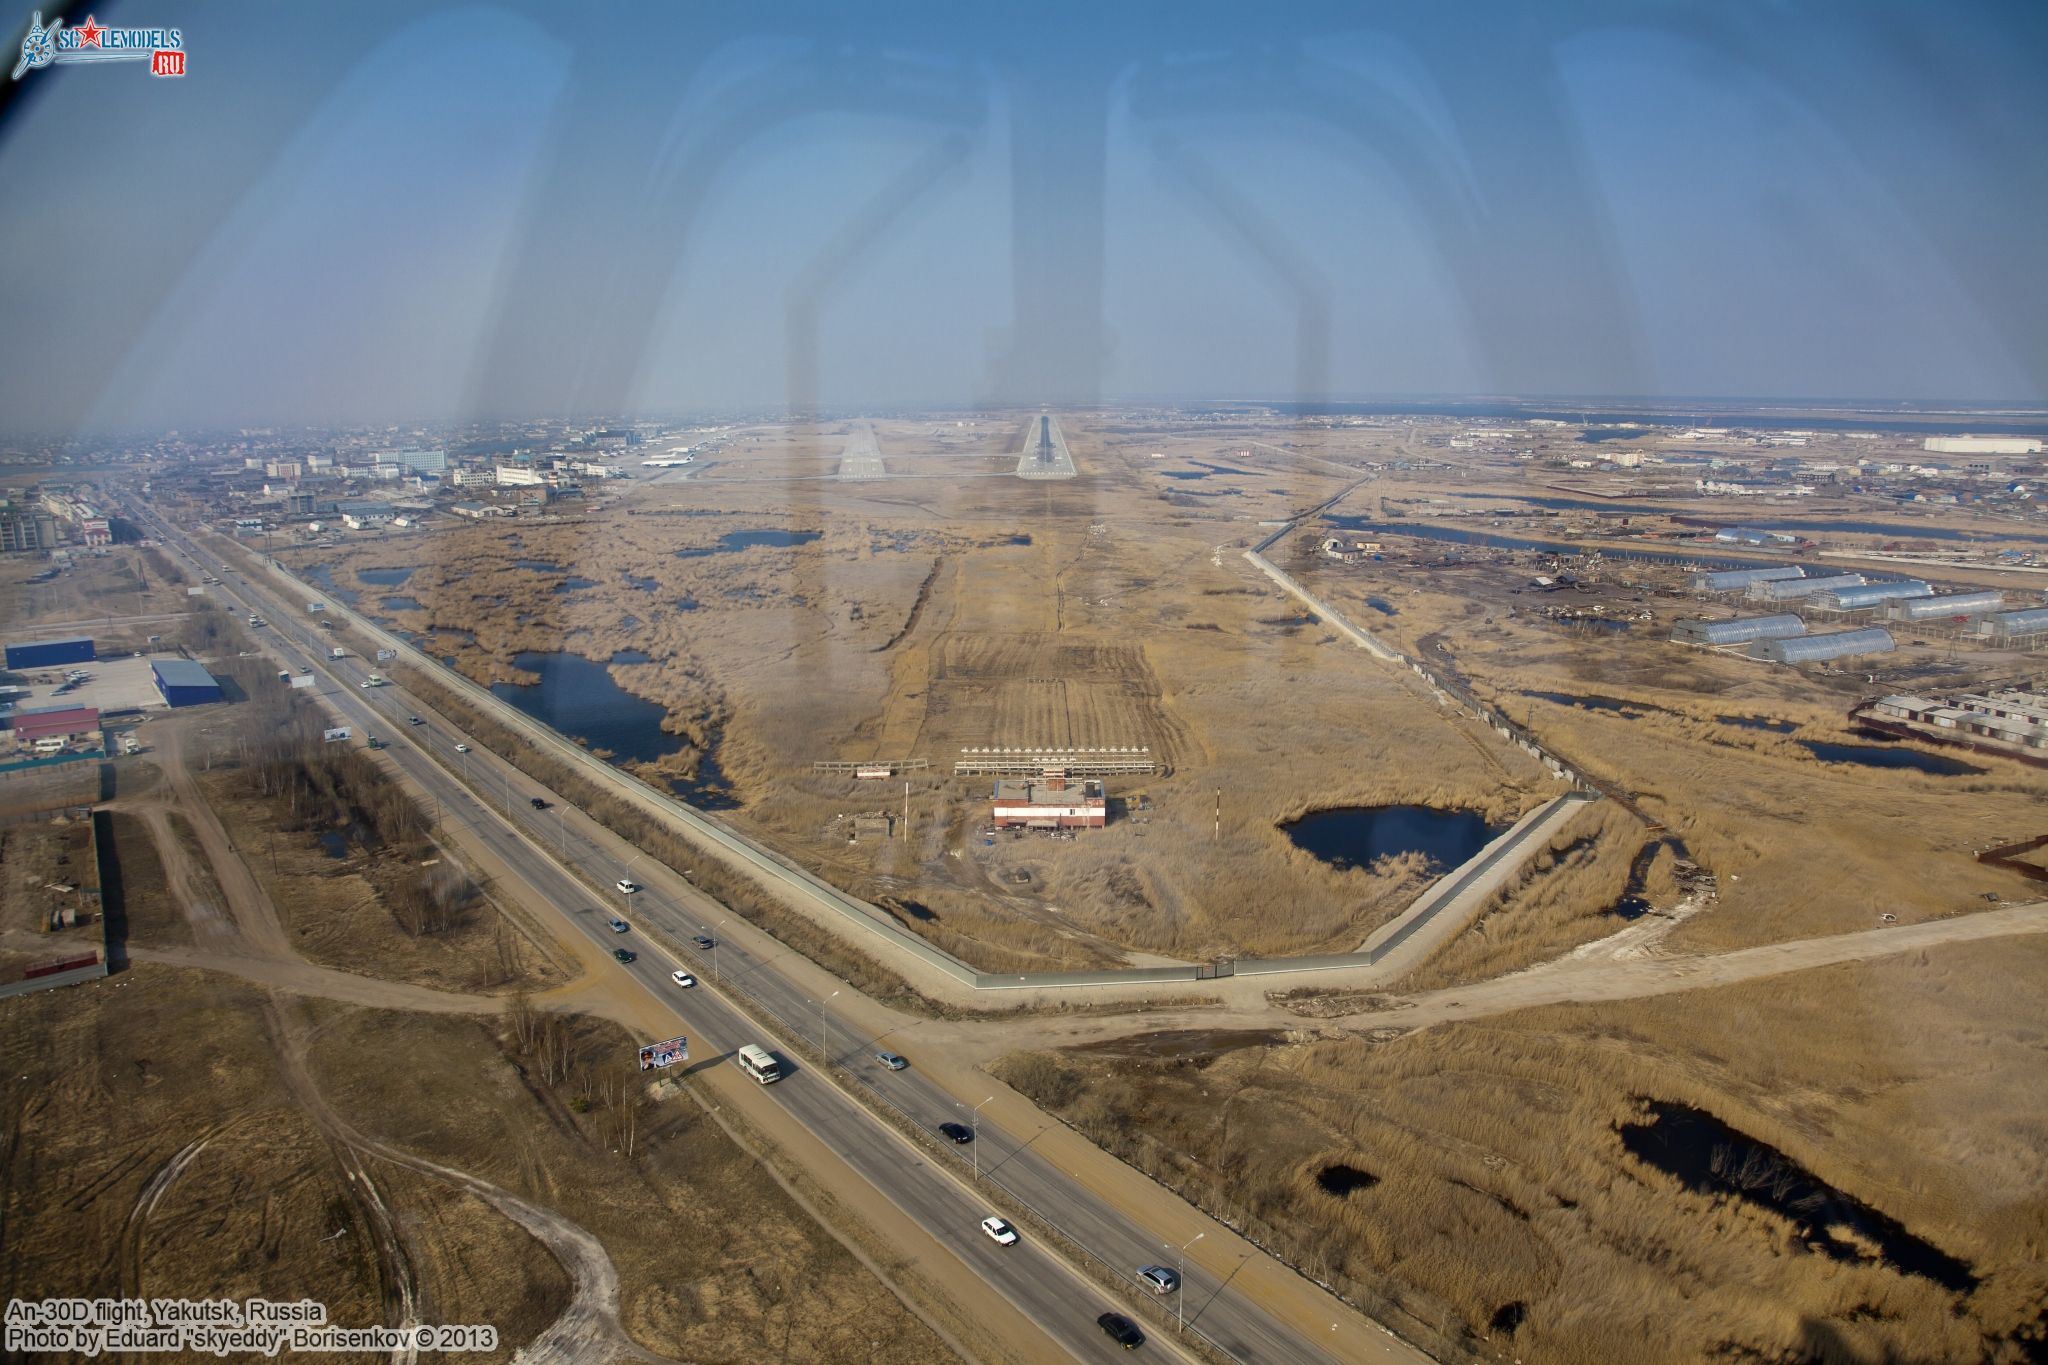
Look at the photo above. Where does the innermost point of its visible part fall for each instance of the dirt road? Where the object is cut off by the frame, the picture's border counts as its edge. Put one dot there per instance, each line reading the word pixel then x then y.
pixel 1563 982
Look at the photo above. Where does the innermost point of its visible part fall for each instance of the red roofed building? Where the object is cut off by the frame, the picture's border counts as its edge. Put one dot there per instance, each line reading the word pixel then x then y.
pixel 68 723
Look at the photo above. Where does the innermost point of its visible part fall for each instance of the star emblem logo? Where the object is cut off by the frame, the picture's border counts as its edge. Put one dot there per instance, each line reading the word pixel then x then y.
pixel 89 32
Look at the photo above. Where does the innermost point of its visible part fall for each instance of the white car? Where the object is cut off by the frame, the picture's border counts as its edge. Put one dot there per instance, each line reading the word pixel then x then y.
pixel 627 888
pixel 462 748
pixel 683 979
pixel 999 1231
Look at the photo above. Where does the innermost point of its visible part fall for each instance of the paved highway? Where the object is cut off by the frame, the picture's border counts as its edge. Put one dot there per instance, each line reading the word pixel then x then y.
pixel 934 1188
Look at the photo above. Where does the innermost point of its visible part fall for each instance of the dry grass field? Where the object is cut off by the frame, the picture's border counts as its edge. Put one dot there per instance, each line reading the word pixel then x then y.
pixel 89 593
pixel 1485 1186
pixel 153 1148
pixel 958 608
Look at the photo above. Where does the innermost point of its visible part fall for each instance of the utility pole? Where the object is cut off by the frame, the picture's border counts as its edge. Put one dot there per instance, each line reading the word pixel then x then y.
pixel 974 1124
pixel 821 1028
pixel 906 811
pixel 1218 837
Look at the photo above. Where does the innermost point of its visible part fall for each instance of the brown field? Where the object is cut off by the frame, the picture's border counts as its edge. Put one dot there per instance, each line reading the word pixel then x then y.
pixel 918 625
pixel 1493 1174
pixel 173 1132
pixel 142 1164
pixel 125 581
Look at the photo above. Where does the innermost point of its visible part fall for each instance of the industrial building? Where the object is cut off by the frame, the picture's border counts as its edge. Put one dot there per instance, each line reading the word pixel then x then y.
pixel 1983 445
pixel 2030 624
pixel 53 728
pixel 1050 802
pixel 78 649
pixel 1741 630
pixel 1810 649
pixel 1955 604
pixel 1734 580
pixel 1754 535
pixel 2016 718
pixel 180 682
pixel 1786 589
pixel 1863 596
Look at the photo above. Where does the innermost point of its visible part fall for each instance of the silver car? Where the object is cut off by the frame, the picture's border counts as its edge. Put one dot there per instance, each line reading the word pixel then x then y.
pixel 1159 1279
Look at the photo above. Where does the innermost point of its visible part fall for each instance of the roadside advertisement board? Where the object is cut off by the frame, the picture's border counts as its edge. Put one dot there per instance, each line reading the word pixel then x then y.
pixel 339 733
pixel 302 680
pixel 386 655
pixel 664 1054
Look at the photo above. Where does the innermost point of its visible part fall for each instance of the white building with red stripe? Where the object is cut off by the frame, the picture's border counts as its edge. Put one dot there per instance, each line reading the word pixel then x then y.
pixel 1050 801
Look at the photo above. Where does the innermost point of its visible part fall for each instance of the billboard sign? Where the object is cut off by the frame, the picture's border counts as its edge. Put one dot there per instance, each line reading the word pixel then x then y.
pixel 338 734
pixel 386 655
pixel 302 680
pixel 656 1055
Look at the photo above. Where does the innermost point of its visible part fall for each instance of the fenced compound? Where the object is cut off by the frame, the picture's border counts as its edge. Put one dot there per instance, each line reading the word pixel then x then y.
pixel 872 767
pixel 1075 762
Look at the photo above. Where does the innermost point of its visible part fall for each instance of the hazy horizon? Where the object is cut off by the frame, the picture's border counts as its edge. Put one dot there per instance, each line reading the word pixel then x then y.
pixel 501 212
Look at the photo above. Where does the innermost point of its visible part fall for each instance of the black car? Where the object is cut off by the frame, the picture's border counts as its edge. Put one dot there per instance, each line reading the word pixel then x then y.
pixel 1121 1330
pixel 539 804
pixel 625 954
pixel 702 942
pixel 956 1132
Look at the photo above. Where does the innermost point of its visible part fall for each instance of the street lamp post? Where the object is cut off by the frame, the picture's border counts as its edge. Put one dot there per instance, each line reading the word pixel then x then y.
pixel 1180 1289
pixel 714 945
pixel 822 1050
pixel 974 1126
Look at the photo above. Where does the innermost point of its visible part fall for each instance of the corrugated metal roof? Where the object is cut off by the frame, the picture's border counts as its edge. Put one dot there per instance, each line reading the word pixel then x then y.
pixel 58 640
pixel 1718 579
pixel 1955 604
pixel 1803 586
pixel 180 673
pixel 1872 594
pixel 1741 629
pixel 2026 622
pixel 1833 645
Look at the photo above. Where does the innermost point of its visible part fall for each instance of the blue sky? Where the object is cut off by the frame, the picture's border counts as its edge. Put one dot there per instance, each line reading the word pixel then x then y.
pixel 380 212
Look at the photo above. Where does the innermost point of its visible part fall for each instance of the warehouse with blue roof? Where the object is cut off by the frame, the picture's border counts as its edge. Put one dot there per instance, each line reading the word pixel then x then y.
pixel 183 683
pixel 77 649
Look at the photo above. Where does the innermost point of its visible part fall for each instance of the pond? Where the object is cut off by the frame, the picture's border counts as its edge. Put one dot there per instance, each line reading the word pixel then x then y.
pixel 742 540
pixel 333 843
pixel 385 578
pixel 1594 702
pixel 1381 605
pixel 1871 756
pixel 1184 474
pixel 1710 1157
pixel 322 577
pixel 569 585
pixel 537 565
pixel 577 697
pixel 1359 836
pixel 639 584
pixel 1776 727
pixel 402 604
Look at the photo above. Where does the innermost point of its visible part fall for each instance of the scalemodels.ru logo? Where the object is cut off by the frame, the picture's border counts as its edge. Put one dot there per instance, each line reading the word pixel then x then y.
pixel 162 48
